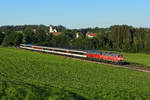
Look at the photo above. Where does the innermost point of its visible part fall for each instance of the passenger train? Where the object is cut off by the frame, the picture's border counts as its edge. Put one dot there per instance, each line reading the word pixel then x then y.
pixel 91 55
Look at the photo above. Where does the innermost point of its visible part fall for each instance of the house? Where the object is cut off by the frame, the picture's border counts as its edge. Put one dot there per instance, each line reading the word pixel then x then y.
pixel 51 30
pixel 54 31
pixel 90 35
pixel 57 33
pixel 34 30
pixel 77 35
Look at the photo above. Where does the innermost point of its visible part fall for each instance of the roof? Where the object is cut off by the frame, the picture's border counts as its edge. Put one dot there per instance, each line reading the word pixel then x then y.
pixel 92 34
pixel 30 45
pixel 93 52
pixel 111 54
pixel 56 33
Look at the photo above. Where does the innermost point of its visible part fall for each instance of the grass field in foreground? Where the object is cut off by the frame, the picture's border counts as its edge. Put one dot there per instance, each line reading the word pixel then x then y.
pixel 36 76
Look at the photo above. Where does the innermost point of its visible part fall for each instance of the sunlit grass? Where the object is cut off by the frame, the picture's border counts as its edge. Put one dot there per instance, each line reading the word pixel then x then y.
pixel 90 80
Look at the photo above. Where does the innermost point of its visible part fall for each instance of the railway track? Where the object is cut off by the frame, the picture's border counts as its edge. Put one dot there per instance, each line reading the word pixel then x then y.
pixel 127 66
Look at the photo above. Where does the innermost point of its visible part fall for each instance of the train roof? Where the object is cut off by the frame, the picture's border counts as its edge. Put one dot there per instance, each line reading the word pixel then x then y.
pixel 111 54
pixel 66 49
pixel 104 53
pixel 26 44
pixel 94 52
pixel 77 51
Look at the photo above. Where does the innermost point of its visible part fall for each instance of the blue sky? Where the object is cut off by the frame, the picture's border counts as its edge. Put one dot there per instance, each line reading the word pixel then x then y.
pixel 75 13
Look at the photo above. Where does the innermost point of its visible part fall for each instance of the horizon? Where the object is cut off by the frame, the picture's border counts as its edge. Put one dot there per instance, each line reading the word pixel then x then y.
pixel 75 28
pixel 76 14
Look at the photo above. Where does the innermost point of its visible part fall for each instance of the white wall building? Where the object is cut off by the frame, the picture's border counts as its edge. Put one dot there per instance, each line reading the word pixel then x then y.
pixel 51 30
pixel 77 35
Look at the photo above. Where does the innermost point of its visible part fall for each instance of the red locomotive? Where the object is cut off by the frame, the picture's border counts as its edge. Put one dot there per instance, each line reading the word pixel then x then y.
pixel 92 55
pixel 105 56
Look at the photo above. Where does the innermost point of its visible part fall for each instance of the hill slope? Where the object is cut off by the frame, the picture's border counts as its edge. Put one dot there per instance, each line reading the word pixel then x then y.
pixel 72 78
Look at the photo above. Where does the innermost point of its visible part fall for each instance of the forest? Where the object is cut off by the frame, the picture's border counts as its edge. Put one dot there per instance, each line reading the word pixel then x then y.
pixel 117 37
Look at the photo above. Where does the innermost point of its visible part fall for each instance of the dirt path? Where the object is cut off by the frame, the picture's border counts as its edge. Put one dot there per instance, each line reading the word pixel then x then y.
pixel 132 67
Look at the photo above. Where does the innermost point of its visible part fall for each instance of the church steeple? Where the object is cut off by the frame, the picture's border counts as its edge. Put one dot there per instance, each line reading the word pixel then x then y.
pixel 51 30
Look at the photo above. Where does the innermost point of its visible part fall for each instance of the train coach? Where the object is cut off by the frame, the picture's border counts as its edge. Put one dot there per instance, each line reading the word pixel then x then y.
pixel 91 55
pixel 59 51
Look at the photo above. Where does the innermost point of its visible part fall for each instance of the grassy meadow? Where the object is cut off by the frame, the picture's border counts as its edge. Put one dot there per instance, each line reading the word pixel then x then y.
pixel 138 58
pixel 26 75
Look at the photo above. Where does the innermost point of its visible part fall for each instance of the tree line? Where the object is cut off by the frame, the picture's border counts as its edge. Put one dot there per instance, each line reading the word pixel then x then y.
pixel 117 37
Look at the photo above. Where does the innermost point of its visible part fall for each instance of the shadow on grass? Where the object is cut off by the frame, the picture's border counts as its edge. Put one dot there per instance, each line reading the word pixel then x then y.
pixel 136 64
pixel 12 91
pixel 126 63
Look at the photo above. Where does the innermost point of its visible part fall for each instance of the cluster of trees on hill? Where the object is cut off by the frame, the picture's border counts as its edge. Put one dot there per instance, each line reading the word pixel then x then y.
pixel 117 37
pixel 130 39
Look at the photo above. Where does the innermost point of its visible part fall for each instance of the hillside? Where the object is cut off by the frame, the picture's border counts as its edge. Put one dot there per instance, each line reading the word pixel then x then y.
pixel 48 77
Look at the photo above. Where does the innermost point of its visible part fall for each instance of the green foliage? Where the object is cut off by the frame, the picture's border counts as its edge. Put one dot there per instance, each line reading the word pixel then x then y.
pixel 121 35
pixel 1 37
pixel 29 36
pixel 60 41
pixel 23 91
pixel 35 74
pixel 12 38
pixel 118 37
pixel 147 43
pixel 36 36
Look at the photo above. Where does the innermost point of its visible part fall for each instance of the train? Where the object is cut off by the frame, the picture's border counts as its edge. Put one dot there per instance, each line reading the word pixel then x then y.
pixel 100 56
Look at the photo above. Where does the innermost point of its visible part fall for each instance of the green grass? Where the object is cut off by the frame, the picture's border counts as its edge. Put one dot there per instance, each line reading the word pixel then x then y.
pixel 79 80
pixel 139 58
pixel 24 91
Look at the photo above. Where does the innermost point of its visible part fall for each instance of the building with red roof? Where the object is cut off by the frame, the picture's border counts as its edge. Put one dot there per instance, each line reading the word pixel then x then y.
pixel 57 33
pixel 90 35
pixel 54 31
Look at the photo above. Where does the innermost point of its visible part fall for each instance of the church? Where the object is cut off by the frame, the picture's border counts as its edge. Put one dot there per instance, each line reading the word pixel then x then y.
pixel 54 31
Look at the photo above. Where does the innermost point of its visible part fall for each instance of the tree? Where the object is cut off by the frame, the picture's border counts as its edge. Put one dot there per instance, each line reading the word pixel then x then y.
pixel 12 38
pixel 39 36
pixel 1 37
pixel 18 39
pixel 28 36
pixel 60 41
pixel 121 36
pixel 147 42
pixel 9 38
pixel 60 28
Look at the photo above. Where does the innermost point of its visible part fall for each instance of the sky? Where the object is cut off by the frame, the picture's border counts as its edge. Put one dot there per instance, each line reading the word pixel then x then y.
pixel 76 13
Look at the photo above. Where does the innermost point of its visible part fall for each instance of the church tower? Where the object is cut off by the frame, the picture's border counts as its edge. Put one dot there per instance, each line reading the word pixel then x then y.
pixel 51 30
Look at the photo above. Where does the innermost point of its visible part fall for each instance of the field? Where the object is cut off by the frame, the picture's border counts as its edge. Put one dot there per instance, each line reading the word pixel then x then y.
pixel 139 58
pixel 27 75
